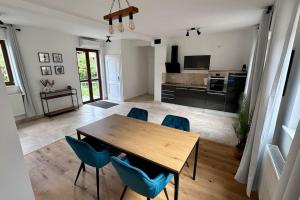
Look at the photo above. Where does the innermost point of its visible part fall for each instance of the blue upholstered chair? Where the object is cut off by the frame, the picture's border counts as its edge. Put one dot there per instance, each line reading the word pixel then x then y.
pixel 141 177
pixel 138 113
pixel 177 122
pixel 90 152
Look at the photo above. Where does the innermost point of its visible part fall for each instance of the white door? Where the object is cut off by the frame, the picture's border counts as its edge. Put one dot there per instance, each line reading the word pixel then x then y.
pixel 112 65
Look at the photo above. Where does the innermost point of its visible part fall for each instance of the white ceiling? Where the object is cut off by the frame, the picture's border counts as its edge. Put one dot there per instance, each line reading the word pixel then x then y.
pixel 157 18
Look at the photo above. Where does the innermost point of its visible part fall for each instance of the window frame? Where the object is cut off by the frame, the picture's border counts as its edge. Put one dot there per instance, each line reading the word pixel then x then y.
pixel 7 63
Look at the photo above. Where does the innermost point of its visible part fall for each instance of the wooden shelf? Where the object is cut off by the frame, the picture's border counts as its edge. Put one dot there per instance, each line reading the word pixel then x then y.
pixel 45 96
pixel 60 111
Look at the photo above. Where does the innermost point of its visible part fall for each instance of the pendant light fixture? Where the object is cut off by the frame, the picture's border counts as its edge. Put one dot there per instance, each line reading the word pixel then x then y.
pixel 131 22
pixel 110 27
pixel 129 11
pixel 120 26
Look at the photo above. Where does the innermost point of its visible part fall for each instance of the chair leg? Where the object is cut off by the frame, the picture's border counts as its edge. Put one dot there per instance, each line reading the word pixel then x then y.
pixel 187 164
pixel 97 177
pixel 123 193
pixel 83 166
pixel 166 193
pixel 78 173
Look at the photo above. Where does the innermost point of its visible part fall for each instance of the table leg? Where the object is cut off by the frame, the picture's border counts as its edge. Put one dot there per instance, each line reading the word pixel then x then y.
pixel 196 160
pixel 176 184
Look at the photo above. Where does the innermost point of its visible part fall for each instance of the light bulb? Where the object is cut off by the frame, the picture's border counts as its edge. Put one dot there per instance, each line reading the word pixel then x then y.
pixel 120 26
pixel 131 22
pixel 110 27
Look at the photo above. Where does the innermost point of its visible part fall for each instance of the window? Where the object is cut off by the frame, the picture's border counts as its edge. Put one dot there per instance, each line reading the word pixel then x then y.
pixel 5 65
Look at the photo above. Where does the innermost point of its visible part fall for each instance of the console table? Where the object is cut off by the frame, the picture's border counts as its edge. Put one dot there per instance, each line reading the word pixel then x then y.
pixel 45 96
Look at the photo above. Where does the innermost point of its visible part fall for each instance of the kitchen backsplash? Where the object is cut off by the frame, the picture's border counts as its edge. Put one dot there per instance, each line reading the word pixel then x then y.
pixel 184 78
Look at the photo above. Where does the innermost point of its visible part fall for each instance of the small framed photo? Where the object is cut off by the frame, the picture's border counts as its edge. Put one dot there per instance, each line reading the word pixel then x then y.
pixel 44 57
pixel 59 69
pixel 57 57
pixel 46 70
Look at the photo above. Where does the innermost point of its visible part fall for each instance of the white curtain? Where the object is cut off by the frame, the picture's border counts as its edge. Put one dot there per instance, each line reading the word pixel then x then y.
pixel 289 182
pixel 254 76
pixel 19 69
pixel 270 91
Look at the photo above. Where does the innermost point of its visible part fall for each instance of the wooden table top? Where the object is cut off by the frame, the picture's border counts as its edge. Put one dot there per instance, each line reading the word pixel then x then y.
pixel 167 147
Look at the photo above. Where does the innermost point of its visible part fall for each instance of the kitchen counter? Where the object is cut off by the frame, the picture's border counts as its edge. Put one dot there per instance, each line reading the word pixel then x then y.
pixel 186 85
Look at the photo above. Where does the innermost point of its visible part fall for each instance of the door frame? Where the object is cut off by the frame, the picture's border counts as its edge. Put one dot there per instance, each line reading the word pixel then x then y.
pixel 90 80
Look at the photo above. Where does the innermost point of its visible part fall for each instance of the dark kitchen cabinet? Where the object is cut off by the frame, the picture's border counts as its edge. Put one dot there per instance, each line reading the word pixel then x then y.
pixel 168 94
pixel 201 98
pixel 215 101
pixel 197 97
pixel 182 96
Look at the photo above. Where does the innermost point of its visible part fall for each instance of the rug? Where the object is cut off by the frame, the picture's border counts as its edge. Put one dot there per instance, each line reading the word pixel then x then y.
pixel 103 104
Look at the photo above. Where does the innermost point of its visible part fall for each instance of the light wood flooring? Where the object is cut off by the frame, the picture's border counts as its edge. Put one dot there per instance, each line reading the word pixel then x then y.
pixel 212 125
pixel 53 169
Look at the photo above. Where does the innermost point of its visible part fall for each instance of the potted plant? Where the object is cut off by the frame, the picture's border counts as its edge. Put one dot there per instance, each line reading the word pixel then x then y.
pixel 242 126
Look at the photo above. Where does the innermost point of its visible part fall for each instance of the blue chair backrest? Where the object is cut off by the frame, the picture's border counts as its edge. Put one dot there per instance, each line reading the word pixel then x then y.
pixel 138 113
pixel 88 154
pixel 134 178
pixel 177 122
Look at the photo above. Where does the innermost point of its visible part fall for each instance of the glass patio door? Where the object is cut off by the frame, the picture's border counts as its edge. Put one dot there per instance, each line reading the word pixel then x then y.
pixel 89 74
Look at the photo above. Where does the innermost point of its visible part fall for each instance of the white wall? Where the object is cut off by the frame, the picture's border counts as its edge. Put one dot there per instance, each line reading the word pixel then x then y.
pixel 150 70
pixel 134 73
pixel 134 68
pixel 32 41
pixel 14 180
pixel 160 56
pixel 228 50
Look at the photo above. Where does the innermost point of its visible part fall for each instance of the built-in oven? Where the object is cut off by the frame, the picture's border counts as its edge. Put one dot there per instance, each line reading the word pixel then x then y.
pixel 217 82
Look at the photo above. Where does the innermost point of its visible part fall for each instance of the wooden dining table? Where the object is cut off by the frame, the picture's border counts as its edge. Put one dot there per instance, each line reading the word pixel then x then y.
pixel 166 147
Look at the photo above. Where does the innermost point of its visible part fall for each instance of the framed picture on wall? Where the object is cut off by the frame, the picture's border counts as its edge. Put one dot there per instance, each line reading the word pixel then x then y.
pixel 59 69
pixel 57 57
pixel 44 57
pixel 46 70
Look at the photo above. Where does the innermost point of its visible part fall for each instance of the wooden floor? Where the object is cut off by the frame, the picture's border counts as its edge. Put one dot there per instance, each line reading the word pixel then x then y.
pixel 53 169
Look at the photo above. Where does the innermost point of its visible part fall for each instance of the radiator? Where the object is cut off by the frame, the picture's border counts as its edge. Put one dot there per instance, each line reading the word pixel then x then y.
pixel 272 167
pixel 16 101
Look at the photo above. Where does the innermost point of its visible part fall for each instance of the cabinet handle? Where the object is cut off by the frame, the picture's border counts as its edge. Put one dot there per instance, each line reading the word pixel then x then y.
pixel 168 94
pixel 167 98
pixel 221 94
pixel 167 91
pixel 181 88
pixel 198 90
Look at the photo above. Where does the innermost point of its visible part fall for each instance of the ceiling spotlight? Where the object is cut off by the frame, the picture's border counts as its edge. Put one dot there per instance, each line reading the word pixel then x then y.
pixel 198 32
pixel 108 38
pixel 188 33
